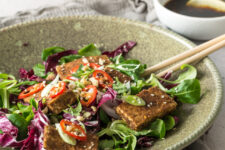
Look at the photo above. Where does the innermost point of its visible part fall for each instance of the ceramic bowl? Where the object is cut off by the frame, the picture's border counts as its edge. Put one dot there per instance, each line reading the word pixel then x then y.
pixel 197 28
pixel 153 45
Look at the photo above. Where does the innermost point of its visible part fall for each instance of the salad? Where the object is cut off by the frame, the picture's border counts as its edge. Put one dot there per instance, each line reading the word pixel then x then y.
pixel 88 99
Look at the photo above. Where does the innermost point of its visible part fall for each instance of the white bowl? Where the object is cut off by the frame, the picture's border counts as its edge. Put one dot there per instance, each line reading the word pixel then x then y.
pixel 197 28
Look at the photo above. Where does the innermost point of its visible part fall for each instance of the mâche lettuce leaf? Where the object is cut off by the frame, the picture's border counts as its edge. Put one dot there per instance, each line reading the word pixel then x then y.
pixel 126 138
pixel 89 50
pixel 49 51
pixel 20 122
pixel 74 111
pixel 69 58
pixel 190 73
pixel 130 67
pixel 121 88
pixel 188 89
pixel 39 70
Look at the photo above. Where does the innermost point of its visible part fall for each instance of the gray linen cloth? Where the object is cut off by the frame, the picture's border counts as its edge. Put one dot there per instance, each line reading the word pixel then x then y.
pixel 141 10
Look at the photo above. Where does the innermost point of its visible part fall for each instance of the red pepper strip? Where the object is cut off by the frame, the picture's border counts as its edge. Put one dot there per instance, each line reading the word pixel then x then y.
pixel 75 69
pixel 91 91
pixel 104 78
pixel 73 128
pixel 57 89
pixel 91 65
pixel 31 90
pixel 94 65
pixel 72 78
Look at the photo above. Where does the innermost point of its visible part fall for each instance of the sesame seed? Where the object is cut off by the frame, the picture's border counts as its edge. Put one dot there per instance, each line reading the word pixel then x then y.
pixel 164 102
pixel 152 94
pixel 162 96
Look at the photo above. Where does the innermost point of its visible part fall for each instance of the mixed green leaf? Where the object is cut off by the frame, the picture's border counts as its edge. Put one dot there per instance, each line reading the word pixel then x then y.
pixel 120 136
pixel 49 51
pixel 188 89
pixel 74 111
pixel 9 85
pixel 130 67
pixel 89 50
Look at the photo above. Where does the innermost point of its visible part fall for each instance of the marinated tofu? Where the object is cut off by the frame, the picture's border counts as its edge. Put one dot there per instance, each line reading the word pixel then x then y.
pixel 36 96
pixel 114 73
pixel 61 102
pixel 158 104
pixel 53 141
pixel 65 69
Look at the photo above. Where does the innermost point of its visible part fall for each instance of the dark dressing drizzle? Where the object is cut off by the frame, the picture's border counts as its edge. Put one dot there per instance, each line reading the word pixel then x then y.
pixel 180 6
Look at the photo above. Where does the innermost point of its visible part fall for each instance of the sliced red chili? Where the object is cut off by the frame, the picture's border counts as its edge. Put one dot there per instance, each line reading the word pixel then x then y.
pixel 31 90
pixel 104 78
pixel 72 78
pixel 75 69
pixel 94 65
pixel 89 95
pixel 73 130
pixel 57 90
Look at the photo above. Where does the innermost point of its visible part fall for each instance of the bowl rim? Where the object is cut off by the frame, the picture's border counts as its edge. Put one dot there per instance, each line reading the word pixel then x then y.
pixel 186 16
pixel 207 61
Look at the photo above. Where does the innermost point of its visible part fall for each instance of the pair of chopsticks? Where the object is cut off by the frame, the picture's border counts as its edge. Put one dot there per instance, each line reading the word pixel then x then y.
pixel 187 57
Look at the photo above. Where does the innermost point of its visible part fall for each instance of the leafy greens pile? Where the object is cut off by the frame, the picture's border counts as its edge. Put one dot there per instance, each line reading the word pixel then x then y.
pixel 22 124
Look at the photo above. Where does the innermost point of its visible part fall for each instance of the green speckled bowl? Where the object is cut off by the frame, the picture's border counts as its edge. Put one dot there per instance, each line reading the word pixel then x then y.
pixel 154 45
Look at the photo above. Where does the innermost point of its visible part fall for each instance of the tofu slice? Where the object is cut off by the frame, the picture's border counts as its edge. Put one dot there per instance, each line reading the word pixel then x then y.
pixel 36 96
pixel 114 73
pixel 53 141
pixel 158 104
pixel 56 105
pixel 65 69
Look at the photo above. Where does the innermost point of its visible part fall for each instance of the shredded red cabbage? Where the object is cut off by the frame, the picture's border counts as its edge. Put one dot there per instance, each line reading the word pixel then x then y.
pixel 94 123
pixel 3 111
pixel 36 131
pixel 29 75
pixel 109 95
pixel 122 49
pixel 176 120
pixel 167 77
pixel 8 137
pixel 53 60
pixel 145 141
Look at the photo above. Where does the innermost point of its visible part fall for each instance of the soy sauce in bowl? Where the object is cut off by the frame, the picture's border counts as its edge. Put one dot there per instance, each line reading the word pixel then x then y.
pixel 180 6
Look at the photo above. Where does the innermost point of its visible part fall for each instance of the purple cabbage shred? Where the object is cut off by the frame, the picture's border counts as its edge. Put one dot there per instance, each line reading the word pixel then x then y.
pixel 122 49
pixel 176 120
pixel 145 141
pixel 36 131
pixel 8 137
pixel 167 77
pixel 53 60
pixel 29 75
pixel 109 95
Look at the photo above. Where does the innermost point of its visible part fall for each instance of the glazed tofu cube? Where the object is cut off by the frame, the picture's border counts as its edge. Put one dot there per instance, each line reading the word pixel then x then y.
pixel 158 104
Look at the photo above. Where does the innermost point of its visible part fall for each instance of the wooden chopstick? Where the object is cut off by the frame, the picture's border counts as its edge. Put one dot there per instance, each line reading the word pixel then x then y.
pixel 183 55
pixel 195 57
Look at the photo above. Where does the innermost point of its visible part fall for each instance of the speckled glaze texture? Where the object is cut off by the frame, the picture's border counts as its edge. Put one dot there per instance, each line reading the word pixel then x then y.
pixel 154 45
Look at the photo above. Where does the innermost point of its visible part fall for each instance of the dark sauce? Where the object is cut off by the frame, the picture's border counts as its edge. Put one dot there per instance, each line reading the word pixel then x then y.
pixel 180 7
